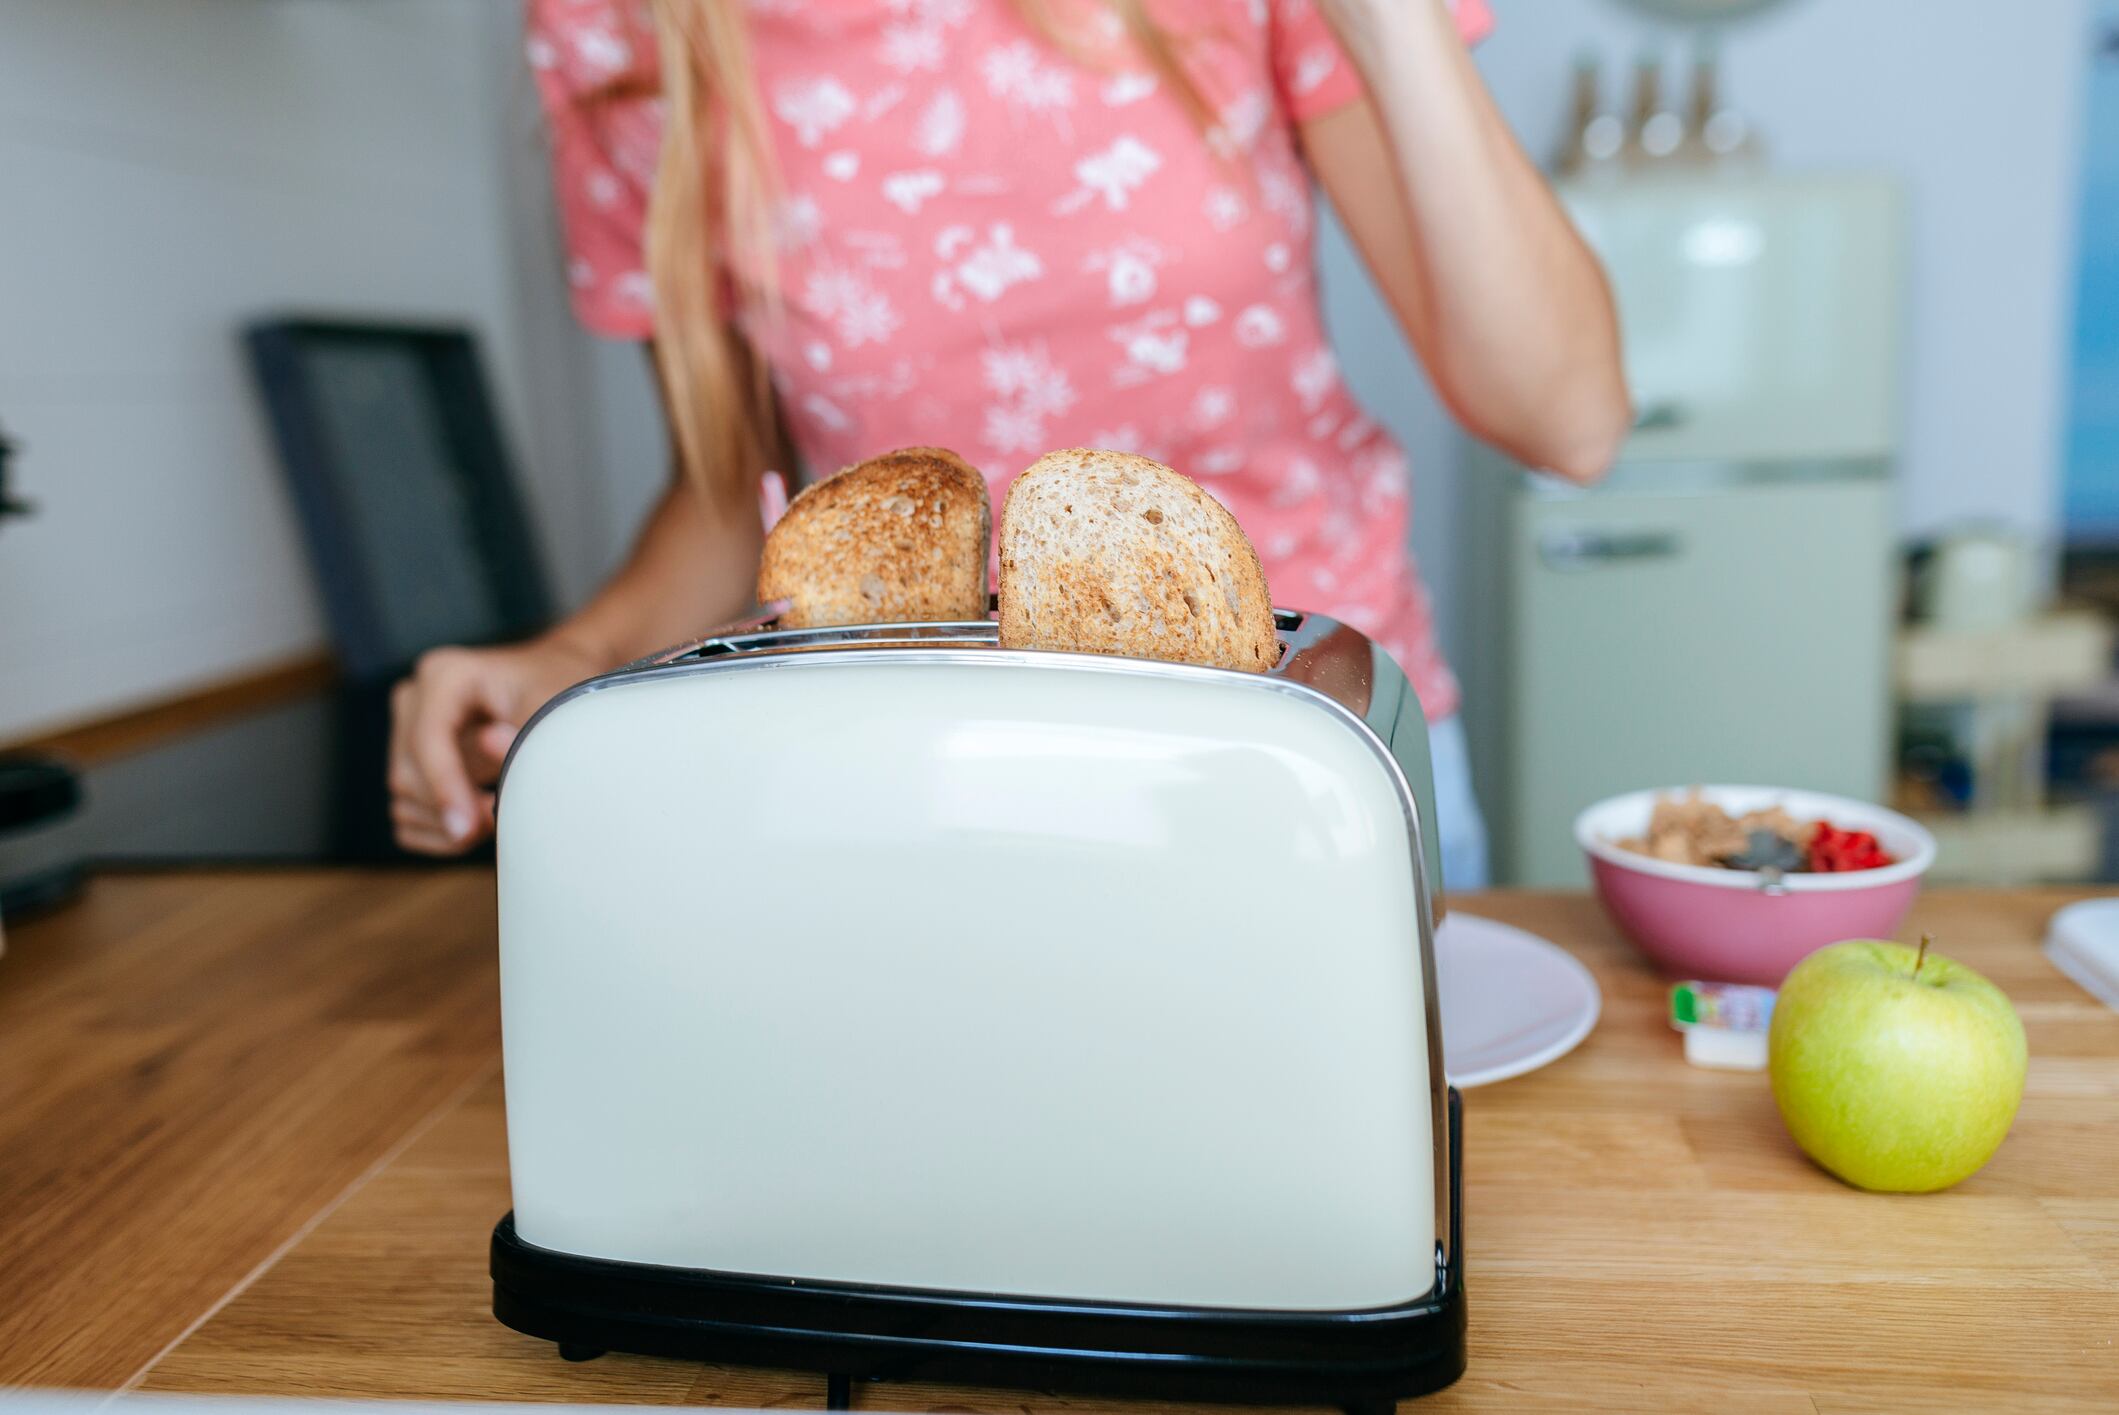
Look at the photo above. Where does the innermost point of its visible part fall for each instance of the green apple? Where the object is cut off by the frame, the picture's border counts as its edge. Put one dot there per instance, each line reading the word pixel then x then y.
pixel 1895 1069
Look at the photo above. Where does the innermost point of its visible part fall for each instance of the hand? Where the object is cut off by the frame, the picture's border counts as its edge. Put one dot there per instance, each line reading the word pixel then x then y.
pixel 451 724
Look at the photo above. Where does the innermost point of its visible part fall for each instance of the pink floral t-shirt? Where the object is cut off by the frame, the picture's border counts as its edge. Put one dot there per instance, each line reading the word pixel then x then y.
pixel 989 245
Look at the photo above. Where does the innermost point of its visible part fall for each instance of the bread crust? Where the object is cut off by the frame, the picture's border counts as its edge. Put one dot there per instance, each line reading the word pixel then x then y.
pixel 1107 552
pixel 896 539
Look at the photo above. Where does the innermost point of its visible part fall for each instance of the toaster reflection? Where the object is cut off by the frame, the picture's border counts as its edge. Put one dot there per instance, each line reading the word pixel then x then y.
pixel 1105 787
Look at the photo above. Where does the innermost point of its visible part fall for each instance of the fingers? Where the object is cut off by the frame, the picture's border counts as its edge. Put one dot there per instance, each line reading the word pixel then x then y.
pixel 436 807
pixel 445 703
pixel 493 741
pixel 419 829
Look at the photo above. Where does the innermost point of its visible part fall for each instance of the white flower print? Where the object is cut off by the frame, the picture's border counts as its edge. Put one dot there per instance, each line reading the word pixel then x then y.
pixel 1356 432
pixel 1128 269
pixel 1225 208
pixel 1008 371
pixel 1340 530
pixel 1260 326
pixel 797 223
pixel 941 125
pixel 984 268
pixel 843 165
pixel 997 264
pixel 1154 346
pixel 1280 546
pixel 1286 194
pixel 540 52
pixel 1314 377
pixel 1278 257
pixel 1013 429
pixel 909 49
pixel 877 250
pixel 634 288
pixel 817 353
pixel 882 101
pixel 1123 438
pixel 890 385
pixel 1241 123
pixel 1018 73
pixel 1130 87
pixel 1381 472
pixel 1030 388
pixel 1114 173
pixel 1131 278
pixel 580 272
pixel 1312 68
pixel 812 107
pixel 1323 426
pixel 826 413
pixel 603 187
pixel 1219 461
pixel 1027 374
pixel 941 13
pixel 856 309
pixel 1212 406
pixel 1298 483
pixel 1201 311
pixel 909 191
pixel 602 50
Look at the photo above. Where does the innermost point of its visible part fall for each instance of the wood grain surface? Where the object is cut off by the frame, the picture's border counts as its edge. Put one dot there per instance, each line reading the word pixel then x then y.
pixel 193 1067
pixel 219 1058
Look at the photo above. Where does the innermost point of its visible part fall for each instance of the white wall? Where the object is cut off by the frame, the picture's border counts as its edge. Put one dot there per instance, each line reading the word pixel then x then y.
pixel 173 168
pixel 1973 105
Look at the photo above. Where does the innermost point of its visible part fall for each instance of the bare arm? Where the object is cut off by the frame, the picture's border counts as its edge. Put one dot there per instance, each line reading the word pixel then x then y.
pixel 1505 305
pixel 690 569
pixel 452 721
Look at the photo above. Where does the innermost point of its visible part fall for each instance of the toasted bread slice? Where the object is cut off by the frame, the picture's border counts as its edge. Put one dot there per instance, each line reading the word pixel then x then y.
pixel 899 538
pixel 1105 552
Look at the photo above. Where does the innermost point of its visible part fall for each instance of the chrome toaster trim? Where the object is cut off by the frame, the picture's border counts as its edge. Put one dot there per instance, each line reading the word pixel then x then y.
pixel 1323 661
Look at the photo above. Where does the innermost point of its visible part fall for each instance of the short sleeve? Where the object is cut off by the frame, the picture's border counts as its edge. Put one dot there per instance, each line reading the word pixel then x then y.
pixel 1313 71
pixel 595 69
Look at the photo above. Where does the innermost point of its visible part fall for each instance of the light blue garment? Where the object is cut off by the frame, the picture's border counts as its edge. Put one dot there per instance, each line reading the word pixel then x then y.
pixel 1457 808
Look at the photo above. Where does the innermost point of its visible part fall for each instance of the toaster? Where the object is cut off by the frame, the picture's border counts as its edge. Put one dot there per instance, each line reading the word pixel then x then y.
pixel 885 1003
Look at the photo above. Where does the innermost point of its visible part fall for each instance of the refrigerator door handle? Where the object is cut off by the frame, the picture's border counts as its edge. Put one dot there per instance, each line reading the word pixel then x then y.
pixel 1660 416
pixel 1577 550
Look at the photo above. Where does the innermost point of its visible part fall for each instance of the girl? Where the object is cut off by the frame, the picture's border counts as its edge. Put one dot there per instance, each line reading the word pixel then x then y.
pixel 1006 226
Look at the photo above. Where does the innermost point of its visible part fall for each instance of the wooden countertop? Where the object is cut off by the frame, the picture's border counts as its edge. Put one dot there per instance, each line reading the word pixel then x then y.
pixel 251 1141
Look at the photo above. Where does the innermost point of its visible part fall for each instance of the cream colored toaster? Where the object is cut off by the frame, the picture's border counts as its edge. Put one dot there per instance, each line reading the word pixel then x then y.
pixel 886 1003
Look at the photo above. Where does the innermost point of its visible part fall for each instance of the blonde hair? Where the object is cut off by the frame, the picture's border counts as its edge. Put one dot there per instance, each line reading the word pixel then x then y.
pixel 710 237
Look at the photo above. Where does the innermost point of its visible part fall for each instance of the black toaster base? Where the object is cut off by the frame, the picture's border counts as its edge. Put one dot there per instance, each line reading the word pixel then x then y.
pixel 1359 1360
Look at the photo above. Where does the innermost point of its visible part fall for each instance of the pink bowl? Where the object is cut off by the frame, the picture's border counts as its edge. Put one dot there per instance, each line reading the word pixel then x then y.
pixel 1736 925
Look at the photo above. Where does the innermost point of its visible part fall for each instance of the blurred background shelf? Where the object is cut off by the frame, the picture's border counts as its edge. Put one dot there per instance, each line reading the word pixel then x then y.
pixel 2063 652
pixel 2022 846
pixel 1976 762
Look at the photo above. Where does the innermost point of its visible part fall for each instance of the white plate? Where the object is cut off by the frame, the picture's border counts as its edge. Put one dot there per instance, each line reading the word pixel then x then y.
pixel 1511 1002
